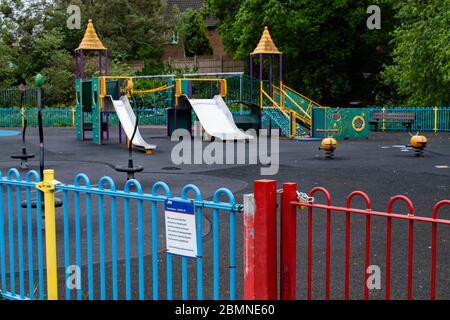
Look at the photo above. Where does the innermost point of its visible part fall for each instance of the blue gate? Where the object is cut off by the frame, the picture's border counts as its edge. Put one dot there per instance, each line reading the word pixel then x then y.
pixel 108 242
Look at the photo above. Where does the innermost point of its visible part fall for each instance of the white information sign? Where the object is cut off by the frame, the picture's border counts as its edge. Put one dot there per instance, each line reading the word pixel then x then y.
pixel 181 231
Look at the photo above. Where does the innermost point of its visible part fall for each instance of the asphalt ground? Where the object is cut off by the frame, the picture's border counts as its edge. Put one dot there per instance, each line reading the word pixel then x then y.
pixel 379 166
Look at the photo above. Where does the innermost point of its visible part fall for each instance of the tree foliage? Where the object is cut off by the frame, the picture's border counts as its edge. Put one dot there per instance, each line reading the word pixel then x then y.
pixel 34 37
pixel 32 48
pixel 129 29
pixel 6 66
pixel 421 65
pixel 330 53
pixel 194 34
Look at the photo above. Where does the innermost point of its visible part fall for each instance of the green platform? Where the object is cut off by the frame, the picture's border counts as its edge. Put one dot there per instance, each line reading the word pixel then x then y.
pixel 352 123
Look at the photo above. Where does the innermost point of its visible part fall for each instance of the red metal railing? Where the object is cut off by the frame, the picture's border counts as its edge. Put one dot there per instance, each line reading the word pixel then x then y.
pixel 368 213
pixel 288 233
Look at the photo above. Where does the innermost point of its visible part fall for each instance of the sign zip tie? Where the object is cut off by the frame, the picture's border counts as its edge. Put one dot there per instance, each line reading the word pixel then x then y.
pixel 304 197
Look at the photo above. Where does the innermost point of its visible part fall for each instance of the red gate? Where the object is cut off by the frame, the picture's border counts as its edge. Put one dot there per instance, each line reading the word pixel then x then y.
pixel 260 236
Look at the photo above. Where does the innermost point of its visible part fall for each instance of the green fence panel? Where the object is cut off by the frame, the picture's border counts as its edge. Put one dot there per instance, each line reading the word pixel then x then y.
pixel 10 117
pixel 62 117
pixel 443 124
pixel 424 121
pixel 351 123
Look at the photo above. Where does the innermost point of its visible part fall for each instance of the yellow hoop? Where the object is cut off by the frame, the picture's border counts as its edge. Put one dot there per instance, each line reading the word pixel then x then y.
pixel 363 123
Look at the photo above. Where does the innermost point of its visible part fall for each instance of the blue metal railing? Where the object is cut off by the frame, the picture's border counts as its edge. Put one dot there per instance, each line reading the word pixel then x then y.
pixel 12 233
pixel 83 247
pixel 127 196
pixel 104 231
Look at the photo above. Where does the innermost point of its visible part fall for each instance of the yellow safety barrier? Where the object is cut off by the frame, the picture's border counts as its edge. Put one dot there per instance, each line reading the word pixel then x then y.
pixel 222 82
pixel 47 186
pixel 103 83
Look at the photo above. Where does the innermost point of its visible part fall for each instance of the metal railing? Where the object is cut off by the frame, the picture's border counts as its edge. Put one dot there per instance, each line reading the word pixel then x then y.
pixel 103 232
pixel 431 119
pixel 342 252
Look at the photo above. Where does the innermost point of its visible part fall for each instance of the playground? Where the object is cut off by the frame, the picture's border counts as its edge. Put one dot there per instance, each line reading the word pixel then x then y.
pixel 359 165
pixel 112 168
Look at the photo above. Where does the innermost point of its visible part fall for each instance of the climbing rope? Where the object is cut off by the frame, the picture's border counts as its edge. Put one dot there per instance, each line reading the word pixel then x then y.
pixel 162 88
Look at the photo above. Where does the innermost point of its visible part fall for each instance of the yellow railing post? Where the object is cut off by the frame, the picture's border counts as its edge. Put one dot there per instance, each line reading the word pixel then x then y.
pixel 73 117
pixel 22 110
pixel 261 94
pixel 281 95
pixel 47 186
pixel 294 125
pixel 383 127
pixel 436 119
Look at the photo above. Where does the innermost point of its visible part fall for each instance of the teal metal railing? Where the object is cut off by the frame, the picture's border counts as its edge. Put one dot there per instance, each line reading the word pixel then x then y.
pixel 431 119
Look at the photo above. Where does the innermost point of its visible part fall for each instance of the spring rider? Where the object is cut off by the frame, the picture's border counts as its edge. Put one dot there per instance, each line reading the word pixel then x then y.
pixel 418 142
pixel 328 144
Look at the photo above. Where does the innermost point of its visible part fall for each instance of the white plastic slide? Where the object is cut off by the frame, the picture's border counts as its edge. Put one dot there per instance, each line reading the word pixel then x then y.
pixel 127 119
pixel 217 119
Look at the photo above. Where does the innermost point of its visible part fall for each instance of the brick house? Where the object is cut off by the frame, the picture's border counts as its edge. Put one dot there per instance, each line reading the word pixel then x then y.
pixel 174 48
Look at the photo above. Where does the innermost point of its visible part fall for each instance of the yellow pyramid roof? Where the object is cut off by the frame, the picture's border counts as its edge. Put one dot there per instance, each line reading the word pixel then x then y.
pixel 266 45
pixel 91 41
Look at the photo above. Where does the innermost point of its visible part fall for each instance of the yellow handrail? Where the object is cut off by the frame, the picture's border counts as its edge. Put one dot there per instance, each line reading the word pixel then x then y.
pixel 307 119
pixel 276 104
pixel 268 96
pixel 296 104
pixel 304 97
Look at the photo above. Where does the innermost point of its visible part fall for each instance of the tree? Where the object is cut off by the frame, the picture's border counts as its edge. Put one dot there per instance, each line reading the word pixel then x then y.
pixel 223 10
pixel 131 30
pixel 421 59
pixel 195 34
pixel 56 65
pixel 34 37
pixel 36 49
pixel 20 24
pixel 330 54
pixel 6 65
